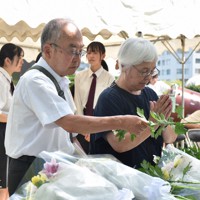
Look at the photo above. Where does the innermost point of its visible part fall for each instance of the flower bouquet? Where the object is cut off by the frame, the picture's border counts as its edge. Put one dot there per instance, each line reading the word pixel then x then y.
pixel 93 177
pixel 61 179
pixel 143 186
pixel 180 169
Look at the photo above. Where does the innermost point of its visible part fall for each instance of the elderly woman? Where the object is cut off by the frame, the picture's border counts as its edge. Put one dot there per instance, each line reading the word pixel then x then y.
pixel 137 60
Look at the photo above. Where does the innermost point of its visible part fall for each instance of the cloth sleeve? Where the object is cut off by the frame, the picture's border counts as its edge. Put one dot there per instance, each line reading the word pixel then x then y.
pixel 41 97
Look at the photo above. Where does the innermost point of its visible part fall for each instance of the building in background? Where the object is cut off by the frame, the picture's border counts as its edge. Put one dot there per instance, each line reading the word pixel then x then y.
pixel 171 69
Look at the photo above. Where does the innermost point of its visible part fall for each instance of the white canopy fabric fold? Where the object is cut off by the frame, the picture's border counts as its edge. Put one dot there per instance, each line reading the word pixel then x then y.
pixel 26 18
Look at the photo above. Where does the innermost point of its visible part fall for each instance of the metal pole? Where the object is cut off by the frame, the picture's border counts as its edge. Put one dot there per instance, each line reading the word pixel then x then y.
pixel 183 73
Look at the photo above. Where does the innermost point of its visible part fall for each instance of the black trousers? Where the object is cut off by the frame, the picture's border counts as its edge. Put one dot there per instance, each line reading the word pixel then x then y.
pixel 3 157
pixel 81 138
pixel 17 170
pixel 84 143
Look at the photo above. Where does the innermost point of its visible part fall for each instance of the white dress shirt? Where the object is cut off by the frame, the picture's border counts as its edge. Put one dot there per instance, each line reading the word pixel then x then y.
pixel 82 83
pixel 5 95
pixel 36 106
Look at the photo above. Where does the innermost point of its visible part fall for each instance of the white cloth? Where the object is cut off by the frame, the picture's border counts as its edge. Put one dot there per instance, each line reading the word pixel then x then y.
pixel 5 95
pixel 64 83
pixel 36 106
pixel 82 83
pixel 160 87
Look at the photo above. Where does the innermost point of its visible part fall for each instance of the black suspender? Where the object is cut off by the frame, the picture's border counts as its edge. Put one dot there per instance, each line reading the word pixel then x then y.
pixel 60 92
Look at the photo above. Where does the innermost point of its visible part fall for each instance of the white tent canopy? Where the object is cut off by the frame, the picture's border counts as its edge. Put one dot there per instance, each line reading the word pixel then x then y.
pixel 169 19
pixel 156 17
pixel 174 21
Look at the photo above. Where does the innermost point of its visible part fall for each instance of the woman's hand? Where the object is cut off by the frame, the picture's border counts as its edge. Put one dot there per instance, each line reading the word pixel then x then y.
pixel 163 105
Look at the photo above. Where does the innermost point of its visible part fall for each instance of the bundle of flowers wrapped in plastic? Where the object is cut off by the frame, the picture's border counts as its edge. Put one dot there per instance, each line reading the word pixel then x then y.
pixel 182 171
pixel 143 186
pixel 61 179
pixel 74 178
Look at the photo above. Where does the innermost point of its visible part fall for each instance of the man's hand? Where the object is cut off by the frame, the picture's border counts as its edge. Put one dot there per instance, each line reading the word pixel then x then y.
pixel 134 124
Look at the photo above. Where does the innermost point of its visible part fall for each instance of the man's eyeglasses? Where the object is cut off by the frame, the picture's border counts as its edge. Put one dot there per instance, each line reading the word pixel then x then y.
pixel 71 51
pixel 148 73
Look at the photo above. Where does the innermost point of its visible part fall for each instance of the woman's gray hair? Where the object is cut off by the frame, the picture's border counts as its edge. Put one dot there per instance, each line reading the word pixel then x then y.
pixel 53 30
pixel 135 51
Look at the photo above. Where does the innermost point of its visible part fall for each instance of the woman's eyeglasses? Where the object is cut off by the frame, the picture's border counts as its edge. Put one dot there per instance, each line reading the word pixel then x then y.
pixel 147 73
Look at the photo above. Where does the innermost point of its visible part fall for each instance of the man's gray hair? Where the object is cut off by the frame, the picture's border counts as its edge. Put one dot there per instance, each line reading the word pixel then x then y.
pixel 135 51
pixel 52 30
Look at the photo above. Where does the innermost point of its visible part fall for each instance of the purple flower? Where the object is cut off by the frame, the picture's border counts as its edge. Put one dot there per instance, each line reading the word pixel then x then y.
pixel 50 168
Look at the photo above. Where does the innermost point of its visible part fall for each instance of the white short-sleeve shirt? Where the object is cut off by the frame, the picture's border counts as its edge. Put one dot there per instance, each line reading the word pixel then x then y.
pixel 5 95
pixel 82 83
pixel 35 107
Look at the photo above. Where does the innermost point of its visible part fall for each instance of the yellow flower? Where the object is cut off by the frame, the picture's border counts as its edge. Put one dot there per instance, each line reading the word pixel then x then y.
pixel 39 180
pixel 43 177
pixel 35 179
pixel 177 160
pixel 165 174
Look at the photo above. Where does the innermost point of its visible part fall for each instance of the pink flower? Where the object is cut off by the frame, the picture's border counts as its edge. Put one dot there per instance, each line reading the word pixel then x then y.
pixel 50 168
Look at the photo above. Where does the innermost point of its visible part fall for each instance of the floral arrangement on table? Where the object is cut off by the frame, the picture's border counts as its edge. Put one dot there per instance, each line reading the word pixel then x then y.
pixel 49 171
pixel 178 168
pixel 92 178
pixel 63 179
pixel 175 176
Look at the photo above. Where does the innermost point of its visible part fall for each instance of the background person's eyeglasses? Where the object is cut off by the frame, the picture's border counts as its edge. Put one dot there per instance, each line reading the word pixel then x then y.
pixel 147 73
pixel 72 52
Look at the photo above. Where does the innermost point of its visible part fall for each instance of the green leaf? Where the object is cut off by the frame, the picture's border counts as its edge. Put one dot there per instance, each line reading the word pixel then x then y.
pixel 154 115
pixel 159 120
pixel 193 151
pixel 162 117
pixel 133 136
pixel 140 112
pixel 158 132
pixel 186 169
pixel 180 129
pixel 179 111
pixel 120 134
pixel 151 170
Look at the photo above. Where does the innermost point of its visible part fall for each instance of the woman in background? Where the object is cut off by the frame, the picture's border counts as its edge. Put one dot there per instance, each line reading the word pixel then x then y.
pixel 83 79
pixel 11 60
pixel 160 87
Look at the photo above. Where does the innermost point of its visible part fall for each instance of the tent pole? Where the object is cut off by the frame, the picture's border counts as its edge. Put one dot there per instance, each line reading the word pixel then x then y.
pixel 183 73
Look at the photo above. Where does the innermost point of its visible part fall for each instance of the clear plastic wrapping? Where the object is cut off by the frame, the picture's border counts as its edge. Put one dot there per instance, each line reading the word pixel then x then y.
pixel 182 171
pixel 90 178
